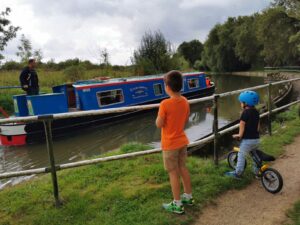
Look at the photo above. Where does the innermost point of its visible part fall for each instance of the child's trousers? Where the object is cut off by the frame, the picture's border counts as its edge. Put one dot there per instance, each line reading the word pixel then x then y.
pixel 245 147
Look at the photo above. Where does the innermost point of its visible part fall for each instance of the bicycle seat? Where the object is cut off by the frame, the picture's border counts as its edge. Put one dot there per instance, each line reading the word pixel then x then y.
pixel 264 156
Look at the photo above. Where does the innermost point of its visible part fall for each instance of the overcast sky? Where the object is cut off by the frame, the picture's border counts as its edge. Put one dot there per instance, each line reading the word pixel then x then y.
pixel 65 29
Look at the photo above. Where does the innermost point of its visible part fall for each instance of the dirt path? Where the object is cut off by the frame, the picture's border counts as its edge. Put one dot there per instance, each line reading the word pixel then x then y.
pixel 253 205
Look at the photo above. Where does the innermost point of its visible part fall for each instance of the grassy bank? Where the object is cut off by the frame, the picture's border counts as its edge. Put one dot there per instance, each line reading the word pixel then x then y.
pixel 294 214
pixel 127 191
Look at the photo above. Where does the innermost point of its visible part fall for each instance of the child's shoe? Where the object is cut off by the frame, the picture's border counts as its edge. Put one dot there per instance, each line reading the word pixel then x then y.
pixel 233 174
pixel 172 207
pixel 258 176
pixel 187 201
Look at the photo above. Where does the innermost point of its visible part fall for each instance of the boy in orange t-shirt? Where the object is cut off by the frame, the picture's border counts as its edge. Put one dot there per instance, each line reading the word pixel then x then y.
pixel 172 116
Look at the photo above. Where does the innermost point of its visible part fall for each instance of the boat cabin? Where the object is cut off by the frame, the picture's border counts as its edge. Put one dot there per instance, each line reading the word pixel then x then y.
pixel 102 94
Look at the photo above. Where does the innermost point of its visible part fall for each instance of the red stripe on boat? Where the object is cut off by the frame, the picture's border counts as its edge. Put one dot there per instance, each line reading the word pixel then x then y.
pixel 13 140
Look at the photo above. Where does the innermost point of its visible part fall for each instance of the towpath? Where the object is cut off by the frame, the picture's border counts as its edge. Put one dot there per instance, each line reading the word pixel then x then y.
pixel 253 205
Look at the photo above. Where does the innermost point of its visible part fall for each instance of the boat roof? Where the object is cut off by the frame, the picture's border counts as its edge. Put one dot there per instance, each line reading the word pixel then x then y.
pixel 113 81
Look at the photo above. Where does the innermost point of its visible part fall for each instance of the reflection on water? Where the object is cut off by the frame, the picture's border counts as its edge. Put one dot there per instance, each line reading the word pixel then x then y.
pixel 91 142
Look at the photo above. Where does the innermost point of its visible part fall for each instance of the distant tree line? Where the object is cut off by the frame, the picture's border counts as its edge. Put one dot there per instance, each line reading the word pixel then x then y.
pixel 270 38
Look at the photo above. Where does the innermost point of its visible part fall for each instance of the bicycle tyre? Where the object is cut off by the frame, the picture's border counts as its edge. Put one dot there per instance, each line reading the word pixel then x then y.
pixel 232 159
pixel 272 177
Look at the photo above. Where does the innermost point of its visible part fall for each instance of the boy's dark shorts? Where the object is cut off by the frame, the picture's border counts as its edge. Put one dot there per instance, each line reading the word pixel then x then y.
pixel 175 159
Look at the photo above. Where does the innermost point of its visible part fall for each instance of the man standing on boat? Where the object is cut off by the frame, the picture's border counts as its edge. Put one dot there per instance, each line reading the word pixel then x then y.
pixel 29 78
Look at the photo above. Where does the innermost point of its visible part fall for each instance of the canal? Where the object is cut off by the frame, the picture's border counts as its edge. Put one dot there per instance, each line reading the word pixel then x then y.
pixel 97 140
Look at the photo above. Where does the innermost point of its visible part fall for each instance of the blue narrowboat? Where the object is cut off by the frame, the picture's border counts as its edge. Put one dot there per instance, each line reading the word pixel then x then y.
pixel 93 94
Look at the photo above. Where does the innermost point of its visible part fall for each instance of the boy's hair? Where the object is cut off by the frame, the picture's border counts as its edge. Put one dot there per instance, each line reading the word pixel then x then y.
pixel 174 80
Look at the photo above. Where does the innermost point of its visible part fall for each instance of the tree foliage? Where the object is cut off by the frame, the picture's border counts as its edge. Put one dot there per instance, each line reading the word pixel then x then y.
pixel 292 7
pixel 275 28
pixel 154 54
pixel 25 51
pixel 7 31
pixel 191 51
pixel 248 47
pixel 104 57
pixel 271 38
pixel 219 50
pixel 38 55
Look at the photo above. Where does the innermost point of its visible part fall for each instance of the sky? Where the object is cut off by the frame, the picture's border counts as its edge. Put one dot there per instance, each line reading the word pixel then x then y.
pixel 65 29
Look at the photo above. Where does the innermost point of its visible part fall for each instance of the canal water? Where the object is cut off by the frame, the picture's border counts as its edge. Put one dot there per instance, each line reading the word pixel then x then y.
pixel 97 140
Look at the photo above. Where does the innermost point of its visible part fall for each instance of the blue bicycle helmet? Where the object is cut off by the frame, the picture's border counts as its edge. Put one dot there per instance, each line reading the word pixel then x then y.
pixel 251 98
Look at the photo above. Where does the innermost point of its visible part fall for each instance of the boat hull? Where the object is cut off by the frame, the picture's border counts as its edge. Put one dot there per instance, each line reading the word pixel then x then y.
pixel 30 133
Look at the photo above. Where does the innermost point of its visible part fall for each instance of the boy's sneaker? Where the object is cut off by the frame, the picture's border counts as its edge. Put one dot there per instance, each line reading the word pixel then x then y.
pixel 257 176
pixel 233 174
pixel 172 207
pixel 187 201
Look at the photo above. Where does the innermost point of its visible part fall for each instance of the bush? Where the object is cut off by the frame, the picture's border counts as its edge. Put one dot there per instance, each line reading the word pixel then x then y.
pixel 74 73
pixel 199 65
pixel 179 63
pixel 12 65
pixel 6 102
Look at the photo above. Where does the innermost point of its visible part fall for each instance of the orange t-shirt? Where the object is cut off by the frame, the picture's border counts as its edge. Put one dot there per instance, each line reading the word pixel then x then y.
pixel 174 112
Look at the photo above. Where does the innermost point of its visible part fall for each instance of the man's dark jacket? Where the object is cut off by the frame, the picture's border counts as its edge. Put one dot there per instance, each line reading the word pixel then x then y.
pixel 29 77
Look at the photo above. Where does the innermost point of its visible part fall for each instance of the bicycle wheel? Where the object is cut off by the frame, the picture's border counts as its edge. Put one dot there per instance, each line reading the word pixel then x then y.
pixel 232 159
pixel 272 180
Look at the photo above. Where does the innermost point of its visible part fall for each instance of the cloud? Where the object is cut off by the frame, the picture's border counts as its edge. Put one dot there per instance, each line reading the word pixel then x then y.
pixel 76 28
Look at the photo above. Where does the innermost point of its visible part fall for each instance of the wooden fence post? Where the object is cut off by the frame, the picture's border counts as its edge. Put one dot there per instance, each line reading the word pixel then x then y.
pixel 270 109
pixel 215 130
pixel 48 133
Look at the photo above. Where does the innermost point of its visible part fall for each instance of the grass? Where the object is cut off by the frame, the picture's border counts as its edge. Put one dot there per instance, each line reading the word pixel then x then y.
pixel 294 214
pixel 120 192
pixel 127 191
pixel 285 127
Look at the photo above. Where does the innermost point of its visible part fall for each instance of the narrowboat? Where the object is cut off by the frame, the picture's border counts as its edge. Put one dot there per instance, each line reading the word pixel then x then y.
pixel 95 94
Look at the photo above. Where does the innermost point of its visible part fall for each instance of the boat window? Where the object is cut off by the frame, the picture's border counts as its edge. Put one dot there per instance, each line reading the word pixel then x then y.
pixel 158 89
pixel 110 97
pixel 193 83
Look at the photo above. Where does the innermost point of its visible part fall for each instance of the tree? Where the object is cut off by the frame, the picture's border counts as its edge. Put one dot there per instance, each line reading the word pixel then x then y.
pixel 276 30
pixel 38 55
pixel 154 54
pixel 292 7
pixel 26 52
pixel 248 47
pixel 191 51
pixel 209 54
pixel 7 31
pixel 25 49
pixel 219 49
pixel 104 55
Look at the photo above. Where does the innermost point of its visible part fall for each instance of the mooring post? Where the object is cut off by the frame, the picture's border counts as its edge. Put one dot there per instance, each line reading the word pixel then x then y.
pixel 270 109
pixel 47 124
pixel 215 130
